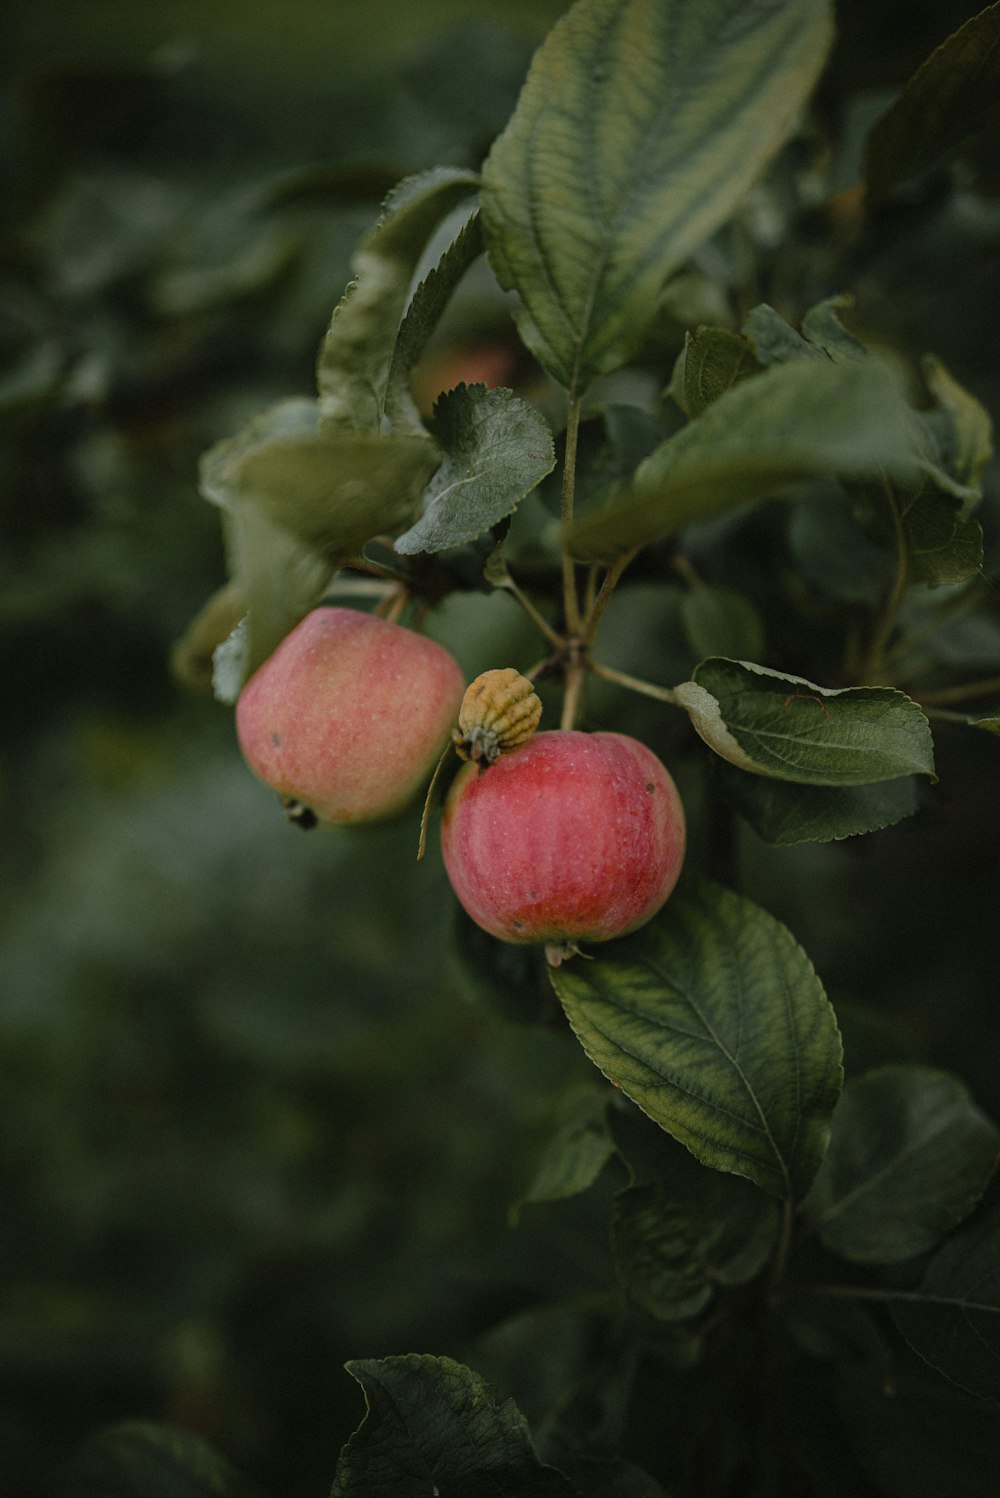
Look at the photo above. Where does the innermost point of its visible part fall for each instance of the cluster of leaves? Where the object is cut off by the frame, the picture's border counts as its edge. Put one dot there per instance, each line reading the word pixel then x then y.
pixel 775 1237
pixel 711 1019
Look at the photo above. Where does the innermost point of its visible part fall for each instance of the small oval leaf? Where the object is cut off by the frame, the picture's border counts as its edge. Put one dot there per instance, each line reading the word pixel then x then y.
pixel 577 1151
pixel 910 1156
pixel 719 621
pixel 497 448
pixel 354 357
pixel 790 729
pixel 713 1020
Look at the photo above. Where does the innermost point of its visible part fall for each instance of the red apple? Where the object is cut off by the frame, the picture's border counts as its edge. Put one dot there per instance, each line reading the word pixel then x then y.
pixel 348 716
pixel 571 837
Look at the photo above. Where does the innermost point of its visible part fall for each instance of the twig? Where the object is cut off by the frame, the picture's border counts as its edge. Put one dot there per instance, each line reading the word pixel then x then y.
pixel 633 683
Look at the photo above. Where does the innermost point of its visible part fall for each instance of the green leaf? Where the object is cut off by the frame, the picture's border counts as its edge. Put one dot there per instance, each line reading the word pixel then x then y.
pixel 990 724
pixel 953 1319
pixel 966 445
pixel 576 1153
pixel 141 1459
pixel 791 423
pixel 497 448
pixel 781 726
pixel 926 517
pixel 333 491
pixel 942 547
pixel 354 358
pixel 713 361
pixel 824 330
pixel 774 341
pixel 426 306
pixel 712 1019
pixel 951 99
pixel 192 656
pixel 954 441
pixel 910 1156
pixel 833 552
pixel 718 621
pixel 434 1426
pixel 677 1239
pixel 298 502
pixel 641 126
pixel 783 813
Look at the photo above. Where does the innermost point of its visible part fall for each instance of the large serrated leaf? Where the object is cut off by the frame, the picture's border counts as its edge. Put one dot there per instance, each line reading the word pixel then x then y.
pixel 354 357
pixel 640 127
pixel 712 1019
pixel 781 726
pixel 497 448
pixel 953 1318
pixel 910 1156
pixel 426 306
pixel 951 98
pixel 794 422
pixel 434 1426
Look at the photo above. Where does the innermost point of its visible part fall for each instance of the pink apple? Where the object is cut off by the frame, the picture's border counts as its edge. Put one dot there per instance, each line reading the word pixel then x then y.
pixel 571 837
pixel 348 716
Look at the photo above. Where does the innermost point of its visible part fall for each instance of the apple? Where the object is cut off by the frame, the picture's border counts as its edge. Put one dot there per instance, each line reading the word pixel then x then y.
pixel 571 837
pixel 348 716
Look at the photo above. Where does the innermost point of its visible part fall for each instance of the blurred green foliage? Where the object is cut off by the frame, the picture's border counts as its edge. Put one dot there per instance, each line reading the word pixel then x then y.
pixel 251 1124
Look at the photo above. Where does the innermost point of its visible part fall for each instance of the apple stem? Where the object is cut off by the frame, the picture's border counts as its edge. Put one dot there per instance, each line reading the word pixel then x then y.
pixel 873 666
pixel 634 683
pixel 575 674
pixel 611 580
pixel 394 604
pixel 963 691
pixel 571 600
pixel 542 624
pixel 360 587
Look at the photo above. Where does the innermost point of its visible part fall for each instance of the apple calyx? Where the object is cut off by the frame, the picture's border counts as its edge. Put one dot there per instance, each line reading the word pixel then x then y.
pixel 499 711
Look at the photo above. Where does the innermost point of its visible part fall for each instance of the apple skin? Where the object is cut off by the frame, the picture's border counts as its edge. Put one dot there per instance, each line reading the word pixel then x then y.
pixel 349 714
pixel 571 837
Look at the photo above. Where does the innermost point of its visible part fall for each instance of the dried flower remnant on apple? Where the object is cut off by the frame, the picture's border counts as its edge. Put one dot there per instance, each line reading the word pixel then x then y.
pixel 499 711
